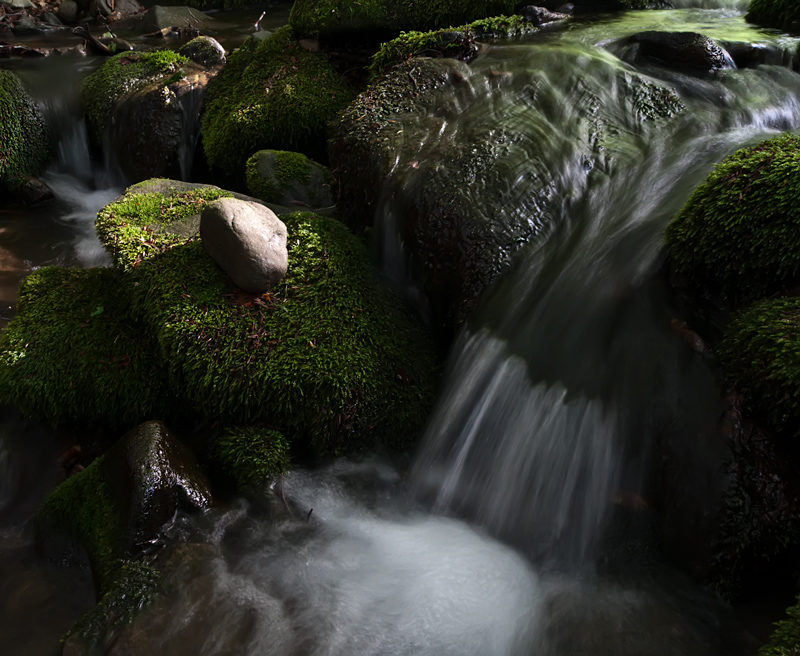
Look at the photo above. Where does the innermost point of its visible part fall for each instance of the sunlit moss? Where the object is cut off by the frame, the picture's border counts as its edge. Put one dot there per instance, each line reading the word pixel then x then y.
pixel 785 641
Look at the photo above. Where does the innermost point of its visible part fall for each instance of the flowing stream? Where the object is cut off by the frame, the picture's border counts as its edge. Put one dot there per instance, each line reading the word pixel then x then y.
pixel 525 524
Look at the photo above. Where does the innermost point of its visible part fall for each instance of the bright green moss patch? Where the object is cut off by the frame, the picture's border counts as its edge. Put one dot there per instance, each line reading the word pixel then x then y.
pixel 785 641
pixel 330 18
pixel 120 75
pixel 142 223
pixel 760 354
pixel 271 94
pixel 327 357
pixel 81 513
pixel 774 13
pixel 459 43
pixel 74 352
pixel 25 146
pixel 252 455
pixel 739 232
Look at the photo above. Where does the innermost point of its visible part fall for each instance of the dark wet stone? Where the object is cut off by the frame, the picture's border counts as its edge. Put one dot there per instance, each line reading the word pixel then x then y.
pixel 684 51
pixel 205 51
pixel 151 474
pixel 540 15
pixel 33 191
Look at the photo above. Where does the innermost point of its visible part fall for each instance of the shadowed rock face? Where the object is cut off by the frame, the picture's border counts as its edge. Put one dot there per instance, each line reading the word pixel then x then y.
pixel 684 51
pixel 151 474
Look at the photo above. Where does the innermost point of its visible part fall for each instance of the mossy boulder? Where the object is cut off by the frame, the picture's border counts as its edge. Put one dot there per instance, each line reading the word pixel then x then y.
pixel 76 353
pixel 272 94
pixel 25 144
pixel 783 14
pixel 251 455
pixel 739 233
pixel 459 43
pixel 337 18
pixel 760 355
pixel 288 179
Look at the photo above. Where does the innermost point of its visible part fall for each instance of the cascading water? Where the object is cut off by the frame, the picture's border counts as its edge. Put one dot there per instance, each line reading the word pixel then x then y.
pixel 561 386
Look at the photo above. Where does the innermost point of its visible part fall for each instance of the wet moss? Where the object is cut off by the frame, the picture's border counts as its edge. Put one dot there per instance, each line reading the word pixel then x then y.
pixel 279 176
pixel 774 13
pixel 82 511
pixel 252 455
pixel 328 357
pixel 142 223
pixel 75 352
pixel 25 145
pixel 760 355
pixel 738 234
pixel 272 94
pixel 459 43
pixel 331 18
pixel 120 75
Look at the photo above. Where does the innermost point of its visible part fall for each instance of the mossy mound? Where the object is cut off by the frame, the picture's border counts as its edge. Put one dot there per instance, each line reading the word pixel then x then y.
pixel 760 354
pixel 252 455
pixel 79 515
pixel 286 178
pixel 326 357
pixel 272 94
pixel 774 13
pixel 739 233
pixel 74 352
pixel 458 43
pixel 25 145
pixel 336 18
pixel 121 75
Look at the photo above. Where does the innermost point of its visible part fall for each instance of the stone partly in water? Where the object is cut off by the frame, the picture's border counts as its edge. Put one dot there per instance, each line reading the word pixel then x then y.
pixel 683 51
pixel 248 242
pixel 25 144
pixel 204 51
pixel 289 179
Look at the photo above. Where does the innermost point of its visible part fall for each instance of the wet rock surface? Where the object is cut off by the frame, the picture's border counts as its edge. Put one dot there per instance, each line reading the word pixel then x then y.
pixel 684 51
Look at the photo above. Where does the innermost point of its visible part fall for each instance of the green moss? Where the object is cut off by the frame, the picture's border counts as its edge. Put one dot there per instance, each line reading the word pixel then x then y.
pixel 459 43
pixel 340 17
pixel 279 176
pixel 74 352
pixel 141 223
pixel 252 455
pixel 291 166
pixel 327 357
pixel 773 13
pixel 25 145
pixel 739 232
pixel 785 641
pixel 132 589
pixel 120 75
pixel 271 94
pixel 760 354
pixel 81 510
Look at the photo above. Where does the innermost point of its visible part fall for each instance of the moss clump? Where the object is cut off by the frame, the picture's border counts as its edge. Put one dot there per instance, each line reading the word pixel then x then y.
pixel 142 223
pixel 25 145
pixel 774 13
pixel 331 18
pixel 327 357
pixel 74 352
pixel 760 354
pixel 458 43
pixel 739 232
pixel 82 512
pixel 252 455
pixel 271 94
pixel 120 75
pixel 785 641
pixel 283 177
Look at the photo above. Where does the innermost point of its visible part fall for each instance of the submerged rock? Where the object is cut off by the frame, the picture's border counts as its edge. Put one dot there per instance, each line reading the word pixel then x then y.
pixel 25 144
pixel 271 94
pixel 289 179
pixel 248 242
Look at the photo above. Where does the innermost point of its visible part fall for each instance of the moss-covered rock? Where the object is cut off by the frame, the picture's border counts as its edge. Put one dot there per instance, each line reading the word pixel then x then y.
pixel 272 94
pixel 460 43
pixel 739 233
pixel 286 178
pixel 332 18
pixel 774 13
pixel 326 357
pixel 25 145
pixel 121 75
pixel 75 352
pixel 252 455
pixel 760 355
